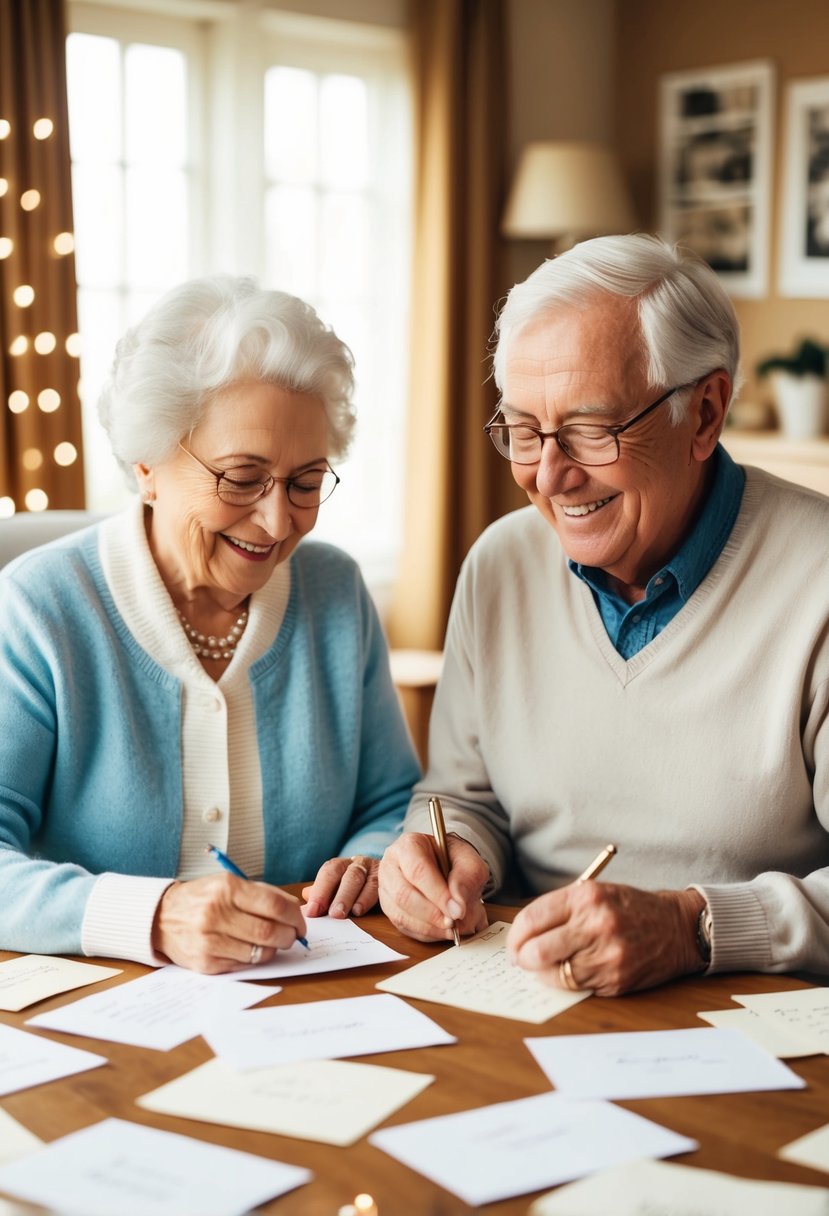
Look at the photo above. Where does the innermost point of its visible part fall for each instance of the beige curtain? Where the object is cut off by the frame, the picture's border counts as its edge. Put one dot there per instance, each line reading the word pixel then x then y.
pixel 454 484
pixel 40 423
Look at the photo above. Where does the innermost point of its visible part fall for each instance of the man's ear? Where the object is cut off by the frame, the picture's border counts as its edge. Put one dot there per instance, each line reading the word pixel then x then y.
pixel 146 482
pixel 712 395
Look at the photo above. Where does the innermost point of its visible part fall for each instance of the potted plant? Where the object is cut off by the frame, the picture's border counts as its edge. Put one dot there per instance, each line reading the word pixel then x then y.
pixel 800 389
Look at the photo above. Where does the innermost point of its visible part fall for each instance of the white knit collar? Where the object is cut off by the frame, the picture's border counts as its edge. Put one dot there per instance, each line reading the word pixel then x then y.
pixel 151 616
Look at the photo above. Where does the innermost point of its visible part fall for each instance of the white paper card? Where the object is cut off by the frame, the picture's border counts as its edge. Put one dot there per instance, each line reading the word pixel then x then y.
pixel 326 1100
pixel 659 1063
pixel 811 1150
pixel 495 1152
pixel 15 1139
pixel 31 1059
pixel 334 945
pixel 160 1010
pixel 804 1013
pixel 117 1166
pixel 776 1040
pixel 321 1030
pixel 34 977
pixel 478 976
pixel 645 1188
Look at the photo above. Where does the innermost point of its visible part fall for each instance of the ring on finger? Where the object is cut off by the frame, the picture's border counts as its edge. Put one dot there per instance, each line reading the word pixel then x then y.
pixel 255 955
pixel 565 975
pixel 362 863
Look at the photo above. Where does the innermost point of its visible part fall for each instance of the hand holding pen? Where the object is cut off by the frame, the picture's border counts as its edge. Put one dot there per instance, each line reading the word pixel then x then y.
pixel 232 868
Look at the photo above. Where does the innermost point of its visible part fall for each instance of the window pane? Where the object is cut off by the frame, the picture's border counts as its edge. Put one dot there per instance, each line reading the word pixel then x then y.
pixel 93 75
pixel 290 125
pixel 344 131
pixel 291 235
pixel 344 244
pixel 156 105
pixel 156 219
pixel 98 207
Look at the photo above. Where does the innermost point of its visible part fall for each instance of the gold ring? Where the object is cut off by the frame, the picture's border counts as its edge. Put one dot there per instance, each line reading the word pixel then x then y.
pixel 565 974
pixel 255 955
pixel 360 863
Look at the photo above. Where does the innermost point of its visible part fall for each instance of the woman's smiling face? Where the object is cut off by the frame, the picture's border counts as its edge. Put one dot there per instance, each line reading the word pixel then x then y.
pixel 200 542
pixel 587 365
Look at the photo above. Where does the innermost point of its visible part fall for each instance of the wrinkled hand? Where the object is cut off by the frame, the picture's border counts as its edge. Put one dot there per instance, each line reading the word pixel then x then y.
pixel 618 939
pixel 212 924
pixel 420 901
pixel 343 885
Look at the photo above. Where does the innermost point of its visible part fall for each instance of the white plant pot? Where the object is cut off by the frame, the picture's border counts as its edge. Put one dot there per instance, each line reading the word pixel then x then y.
pixel 802 405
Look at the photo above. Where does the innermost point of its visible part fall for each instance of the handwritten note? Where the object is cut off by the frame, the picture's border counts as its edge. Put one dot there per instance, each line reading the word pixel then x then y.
pixel 478 976
pixel 811 1149
pixel 495 1152
pixel 160 1010
pixel 656 1188
pixel 659 1063
pixel 326 1100
pixel 15 1139
pixel 31 1059
pixel 803 1013
pixel 34 977
pixel 773 1038
pixel 117 1166
pixel 321 1030
pixel 335 945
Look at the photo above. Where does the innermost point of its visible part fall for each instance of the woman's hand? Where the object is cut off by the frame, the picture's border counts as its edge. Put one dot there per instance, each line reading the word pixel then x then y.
pixel 616 939
pixel 343 885
pixel 420 901
pixel 224 923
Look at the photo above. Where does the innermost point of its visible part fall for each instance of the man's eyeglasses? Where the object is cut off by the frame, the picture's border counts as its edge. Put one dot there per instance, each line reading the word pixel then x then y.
pixel 584 442
pixel 308 489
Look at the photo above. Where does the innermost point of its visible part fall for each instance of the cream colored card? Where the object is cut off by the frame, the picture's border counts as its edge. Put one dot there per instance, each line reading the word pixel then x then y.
pixel 327 1100
pixel 15 1139
pixel 478 976
pixel 644 1188
pixel 774 1039
pixel 803 1013
pixel 811 1149
pixel 34 977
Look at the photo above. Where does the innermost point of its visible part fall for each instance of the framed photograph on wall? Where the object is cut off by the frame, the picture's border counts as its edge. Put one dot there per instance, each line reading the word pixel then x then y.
pixel 804 217
pixel 715 168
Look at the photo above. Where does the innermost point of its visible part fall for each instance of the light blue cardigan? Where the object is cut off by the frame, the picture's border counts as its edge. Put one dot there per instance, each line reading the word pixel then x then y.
pixel 90 753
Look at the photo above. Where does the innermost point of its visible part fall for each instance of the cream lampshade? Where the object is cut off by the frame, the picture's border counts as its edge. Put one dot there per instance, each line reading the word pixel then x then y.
pixel 566 192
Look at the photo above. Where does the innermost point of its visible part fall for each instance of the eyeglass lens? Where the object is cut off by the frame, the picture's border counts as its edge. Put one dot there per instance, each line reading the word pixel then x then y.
pixel 310 489
pixel 590 445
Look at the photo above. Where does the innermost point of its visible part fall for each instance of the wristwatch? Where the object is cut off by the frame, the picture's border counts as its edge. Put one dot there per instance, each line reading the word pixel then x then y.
pixel 705 930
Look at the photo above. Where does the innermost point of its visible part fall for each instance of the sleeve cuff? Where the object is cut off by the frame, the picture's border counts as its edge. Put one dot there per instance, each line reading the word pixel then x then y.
pixel 118 921
pixel 740 938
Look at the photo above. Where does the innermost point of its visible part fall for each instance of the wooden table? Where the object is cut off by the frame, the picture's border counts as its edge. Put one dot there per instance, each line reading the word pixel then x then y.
pixel 738 1133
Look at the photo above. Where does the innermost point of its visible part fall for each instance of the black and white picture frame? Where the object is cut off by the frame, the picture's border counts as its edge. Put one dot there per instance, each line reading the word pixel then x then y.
pixel 715 168
pixel 804 232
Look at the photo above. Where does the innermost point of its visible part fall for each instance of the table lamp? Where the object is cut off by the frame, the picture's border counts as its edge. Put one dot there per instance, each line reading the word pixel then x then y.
pixel 567 191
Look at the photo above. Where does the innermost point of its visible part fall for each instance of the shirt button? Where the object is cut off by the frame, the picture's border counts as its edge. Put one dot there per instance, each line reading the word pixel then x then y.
pixel 657 582
pixel 214 705
pixel 213 815
pixel 636 619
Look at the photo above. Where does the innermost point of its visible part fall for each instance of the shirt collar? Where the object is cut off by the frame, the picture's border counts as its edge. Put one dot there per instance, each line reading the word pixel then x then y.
pixel 703 545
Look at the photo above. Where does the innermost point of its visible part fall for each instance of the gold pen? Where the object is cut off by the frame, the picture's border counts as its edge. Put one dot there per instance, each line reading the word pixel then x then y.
pixel 442 848
pixel 598 864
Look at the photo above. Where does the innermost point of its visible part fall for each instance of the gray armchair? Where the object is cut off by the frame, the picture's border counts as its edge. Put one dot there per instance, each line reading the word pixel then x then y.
pixel 29 529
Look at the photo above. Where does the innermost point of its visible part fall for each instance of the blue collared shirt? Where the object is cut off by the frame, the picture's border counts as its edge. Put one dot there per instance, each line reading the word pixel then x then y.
pixel 631 626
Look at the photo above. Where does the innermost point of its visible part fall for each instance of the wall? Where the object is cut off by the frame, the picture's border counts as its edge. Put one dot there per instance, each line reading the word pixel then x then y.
pixel 653 37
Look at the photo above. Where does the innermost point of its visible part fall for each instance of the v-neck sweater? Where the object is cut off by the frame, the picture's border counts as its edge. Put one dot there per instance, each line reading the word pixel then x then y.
pixel 704 757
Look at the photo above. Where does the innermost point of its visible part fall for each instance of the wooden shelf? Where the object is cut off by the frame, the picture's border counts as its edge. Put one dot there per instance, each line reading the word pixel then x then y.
pixel 804 461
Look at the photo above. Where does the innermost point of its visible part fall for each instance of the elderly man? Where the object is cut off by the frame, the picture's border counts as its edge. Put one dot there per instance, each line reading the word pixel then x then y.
pixel 641 656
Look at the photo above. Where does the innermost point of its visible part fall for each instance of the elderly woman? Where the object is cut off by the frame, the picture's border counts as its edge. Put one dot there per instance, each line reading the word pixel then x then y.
pixel 641 656
pixel 188 674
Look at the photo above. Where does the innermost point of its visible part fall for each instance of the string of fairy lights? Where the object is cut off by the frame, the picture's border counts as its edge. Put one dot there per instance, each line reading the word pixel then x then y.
pixel 28 347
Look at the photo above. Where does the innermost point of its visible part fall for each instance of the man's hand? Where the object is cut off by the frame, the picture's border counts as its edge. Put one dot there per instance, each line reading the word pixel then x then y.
pixel 617 939
pixel 420 901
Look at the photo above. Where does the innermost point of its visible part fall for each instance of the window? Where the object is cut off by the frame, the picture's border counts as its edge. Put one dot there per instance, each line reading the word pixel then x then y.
pixel 284 151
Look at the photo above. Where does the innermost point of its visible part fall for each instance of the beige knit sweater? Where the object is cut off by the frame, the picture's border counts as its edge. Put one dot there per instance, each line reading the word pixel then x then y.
pixel 705 757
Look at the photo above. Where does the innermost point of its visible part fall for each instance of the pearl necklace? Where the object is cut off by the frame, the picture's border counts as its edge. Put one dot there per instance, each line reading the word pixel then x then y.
pixel 210 647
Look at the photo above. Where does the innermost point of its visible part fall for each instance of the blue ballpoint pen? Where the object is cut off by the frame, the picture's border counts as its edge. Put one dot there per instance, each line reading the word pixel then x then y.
pixel 232 867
